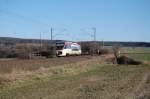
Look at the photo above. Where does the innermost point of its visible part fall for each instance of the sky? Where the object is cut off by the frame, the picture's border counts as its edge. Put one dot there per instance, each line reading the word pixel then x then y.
pixel 114 20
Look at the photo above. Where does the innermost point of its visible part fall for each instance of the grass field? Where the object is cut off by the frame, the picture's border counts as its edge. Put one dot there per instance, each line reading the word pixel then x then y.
pixel 135 50
pixel 139 53
pixel 89 80
pixel 94 78
pixel 97 82
pixel 143 57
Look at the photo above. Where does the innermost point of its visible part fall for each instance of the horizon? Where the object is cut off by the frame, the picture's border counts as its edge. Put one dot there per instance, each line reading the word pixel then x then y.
pixel 126 21
pixel 76 41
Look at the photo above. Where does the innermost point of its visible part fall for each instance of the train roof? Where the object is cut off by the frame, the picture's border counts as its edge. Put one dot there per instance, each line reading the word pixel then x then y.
pixel 66 42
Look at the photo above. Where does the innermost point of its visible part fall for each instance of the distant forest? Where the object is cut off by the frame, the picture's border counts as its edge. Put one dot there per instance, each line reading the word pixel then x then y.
pixel 7 41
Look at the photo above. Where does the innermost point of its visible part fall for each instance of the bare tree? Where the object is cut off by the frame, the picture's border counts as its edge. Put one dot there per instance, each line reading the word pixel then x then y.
pixel 116 51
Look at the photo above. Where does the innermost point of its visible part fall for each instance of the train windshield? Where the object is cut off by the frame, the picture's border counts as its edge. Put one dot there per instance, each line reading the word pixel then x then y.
pixel 59 46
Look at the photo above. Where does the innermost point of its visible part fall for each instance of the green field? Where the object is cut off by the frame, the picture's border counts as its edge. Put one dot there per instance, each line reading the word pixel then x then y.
pixel 139 53
pixel 144 57
pixel 135 50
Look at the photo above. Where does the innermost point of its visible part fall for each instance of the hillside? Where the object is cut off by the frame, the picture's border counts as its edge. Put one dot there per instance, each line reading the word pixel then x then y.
pixel 13 41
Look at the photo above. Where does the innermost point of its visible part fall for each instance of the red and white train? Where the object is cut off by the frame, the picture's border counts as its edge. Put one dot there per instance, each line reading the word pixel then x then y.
pixel 67 48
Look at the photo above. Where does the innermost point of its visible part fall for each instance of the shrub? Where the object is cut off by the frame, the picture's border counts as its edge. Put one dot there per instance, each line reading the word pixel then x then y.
pixel 47 54
pixel 6 53
pixel 90 47
pixel 103 51
pixel 127 60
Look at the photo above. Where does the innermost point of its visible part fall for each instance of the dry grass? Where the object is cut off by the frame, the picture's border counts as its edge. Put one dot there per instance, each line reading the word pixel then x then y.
pixel 143 90
pixel 11 70
pixel 90 78
pixel 83 80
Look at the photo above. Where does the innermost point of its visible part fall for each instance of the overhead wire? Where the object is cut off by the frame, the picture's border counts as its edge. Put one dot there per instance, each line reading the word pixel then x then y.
pixel 25 18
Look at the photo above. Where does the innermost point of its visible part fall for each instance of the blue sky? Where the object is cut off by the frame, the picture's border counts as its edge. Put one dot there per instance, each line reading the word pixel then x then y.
pixel 114 20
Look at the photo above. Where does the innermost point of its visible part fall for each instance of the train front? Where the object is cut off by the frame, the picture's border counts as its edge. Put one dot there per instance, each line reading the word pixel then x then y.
pixel 59 48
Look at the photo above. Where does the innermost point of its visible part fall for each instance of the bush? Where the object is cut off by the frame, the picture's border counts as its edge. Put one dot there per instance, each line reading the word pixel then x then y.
pixel 48 54
pixel 24 51
pixel 85 49
pixel 7 54
pixel 127 60
pixel 90 47
pixel 103 51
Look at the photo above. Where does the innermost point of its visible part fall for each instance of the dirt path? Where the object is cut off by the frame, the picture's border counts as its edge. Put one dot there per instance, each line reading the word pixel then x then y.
pixel 143 89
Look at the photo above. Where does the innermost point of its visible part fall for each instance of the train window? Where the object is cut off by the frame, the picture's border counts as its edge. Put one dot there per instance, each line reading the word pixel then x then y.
pixel 74 48
pixel 59 47
pixel 67 47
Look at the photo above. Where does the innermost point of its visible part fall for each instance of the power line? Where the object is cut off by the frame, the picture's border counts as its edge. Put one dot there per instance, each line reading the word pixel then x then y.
pixel 25 18
pixel 53 34
pixel 91 33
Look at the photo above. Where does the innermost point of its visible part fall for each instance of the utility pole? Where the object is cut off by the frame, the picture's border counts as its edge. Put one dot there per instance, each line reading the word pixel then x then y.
pixel 40 45
pixel 51 34
pixel 94 34
pixel 103 43
pixel 40 40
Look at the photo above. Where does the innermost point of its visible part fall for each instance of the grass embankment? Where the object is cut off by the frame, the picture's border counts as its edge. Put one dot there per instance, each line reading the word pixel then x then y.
pixel 87 80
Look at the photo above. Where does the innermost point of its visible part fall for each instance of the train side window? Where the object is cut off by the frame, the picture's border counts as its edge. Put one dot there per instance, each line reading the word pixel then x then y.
pixel 75 49
pixel 65 47
pixel 68 47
